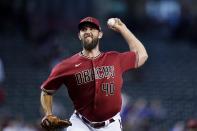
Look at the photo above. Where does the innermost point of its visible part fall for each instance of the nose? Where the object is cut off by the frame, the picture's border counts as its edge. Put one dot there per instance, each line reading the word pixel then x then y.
pixel 88 30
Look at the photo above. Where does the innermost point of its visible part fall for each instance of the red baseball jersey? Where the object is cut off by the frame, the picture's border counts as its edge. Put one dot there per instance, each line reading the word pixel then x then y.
pixel 94 85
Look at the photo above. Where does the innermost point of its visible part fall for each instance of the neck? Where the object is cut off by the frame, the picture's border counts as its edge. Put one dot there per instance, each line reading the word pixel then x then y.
pixel 92 53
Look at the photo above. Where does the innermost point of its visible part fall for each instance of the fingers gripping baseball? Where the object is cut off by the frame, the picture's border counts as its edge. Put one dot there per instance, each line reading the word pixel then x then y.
pixel 52 122
pixel 115 24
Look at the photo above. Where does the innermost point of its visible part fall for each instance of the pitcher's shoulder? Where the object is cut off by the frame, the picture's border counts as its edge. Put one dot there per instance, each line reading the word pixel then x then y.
pixel 112 53
pixel 67 61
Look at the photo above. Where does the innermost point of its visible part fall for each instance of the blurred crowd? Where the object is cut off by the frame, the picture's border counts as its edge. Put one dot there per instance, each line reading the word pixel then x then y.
pixel 40 19
pixel 2 78
pixel 18 123
pixel 150 115
pixel 177 17
pixel 142 115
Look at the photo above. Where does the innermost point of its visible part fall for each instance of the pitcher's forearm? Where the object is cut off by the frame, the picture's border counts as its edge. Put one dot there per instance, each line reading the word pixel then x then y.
pixel 46 102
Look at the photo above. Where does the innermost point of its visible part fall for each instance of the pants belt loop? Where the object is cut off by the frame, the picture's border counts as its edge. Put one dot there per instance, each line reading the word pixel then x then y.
pixel 107 122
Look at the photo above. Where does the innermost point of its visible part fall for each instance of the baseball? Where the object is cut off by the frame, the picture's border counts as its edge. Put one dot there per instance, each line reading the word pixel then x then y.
pixel 111 22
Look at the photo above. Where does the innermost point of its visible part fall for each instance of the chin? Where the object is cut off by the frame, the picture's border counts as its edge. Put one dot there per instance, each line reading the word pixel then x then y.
pixel 88 41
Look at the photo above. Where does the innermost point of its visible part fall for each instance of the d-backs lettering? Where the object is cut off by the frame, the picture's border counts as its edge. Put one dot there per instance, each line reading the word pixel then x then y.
pixel 102 72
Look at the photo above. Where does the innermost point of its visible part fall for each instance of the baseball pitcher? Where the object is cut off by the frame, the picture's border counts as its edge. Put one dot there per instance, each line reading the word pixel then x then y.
pixel 93 80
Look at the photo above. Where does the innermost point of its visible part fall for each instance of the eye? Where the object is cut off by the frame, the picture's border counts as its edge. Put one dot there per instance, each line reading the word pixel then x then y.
pixel 93 28
pixel 83 29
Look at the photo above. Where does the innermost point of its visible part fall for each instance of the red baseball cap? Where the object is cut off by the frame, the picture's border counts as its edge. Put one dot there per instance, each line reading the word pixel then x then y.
pixel 89 20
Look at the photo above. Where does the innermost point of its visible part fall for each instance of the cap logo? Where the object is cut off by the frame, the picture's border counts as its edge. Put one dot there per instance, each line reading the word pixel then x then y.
pixel 89 19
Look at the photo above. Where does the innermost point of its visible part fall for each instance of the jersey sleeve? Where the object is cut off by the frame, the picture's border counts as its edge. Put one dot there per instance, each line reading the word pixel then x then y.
pixel 128 60
pixel 54 81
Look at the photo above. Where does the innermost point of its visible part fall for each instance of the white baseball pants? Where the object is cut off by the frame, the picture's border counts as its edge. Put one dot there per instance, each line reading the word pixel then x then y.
pixel 79 125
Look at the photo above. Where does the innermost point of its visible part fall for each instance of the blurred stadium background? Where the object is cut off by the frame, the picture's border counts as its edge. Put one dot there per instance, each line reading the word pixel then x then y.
pixel 36 34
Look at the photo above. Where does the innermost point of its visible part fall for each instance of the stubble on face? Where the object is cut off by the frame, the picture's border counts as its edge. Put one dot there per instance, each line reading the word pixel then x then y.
pixel 89 42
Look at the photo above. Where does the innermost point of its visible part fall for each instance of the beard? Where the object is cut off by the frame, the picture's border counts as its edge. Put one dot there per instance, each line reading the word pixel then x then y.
pixel 90 45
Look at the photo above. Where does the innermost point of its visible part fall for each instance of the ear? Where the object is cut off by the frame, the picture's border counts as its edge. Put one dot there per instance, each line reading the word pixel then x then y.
pixel 79 36
pixel 100 35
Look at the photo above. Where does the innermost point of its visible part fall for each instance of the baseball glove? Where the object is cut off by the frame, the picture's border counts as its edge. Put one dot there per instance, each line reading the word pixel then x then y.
pixel 51 122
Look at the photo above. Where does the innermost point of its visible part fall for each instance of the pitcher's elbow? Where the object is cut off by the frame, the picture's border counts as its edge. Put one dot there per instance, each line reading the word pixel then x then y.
pixel 142 60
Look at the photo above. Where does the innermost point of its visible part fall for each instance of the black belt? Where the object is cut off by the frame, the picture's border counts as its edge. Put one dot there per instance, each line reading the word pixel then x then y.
pixel 95 124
